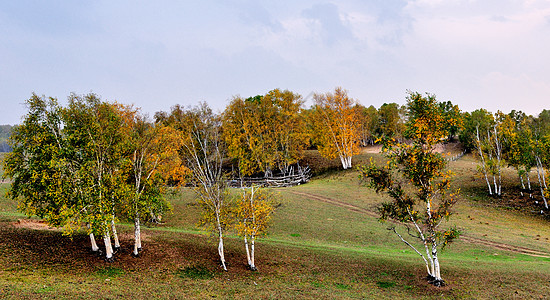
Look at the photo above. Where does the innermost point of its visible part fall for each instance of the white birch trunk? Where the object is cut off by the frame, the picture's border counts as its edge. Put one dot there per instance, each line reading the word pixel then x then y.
pixel 541 184
pixel 529 183
pixel 108 247
pixel 95 248
pixel 115 235
pixel 522 184
pixel 137 237
pixel 437 269
pixel 220 250
pixel 498 154
pixel 483 161
pixel 247 251
pixel 252 264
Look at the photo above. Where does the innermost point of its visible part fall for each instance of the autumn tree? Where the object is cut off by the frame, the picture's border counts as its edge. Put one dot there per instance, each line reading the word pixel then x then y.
pixel 337 127
pixel 416 180
pixel 65 164
pixel 37 166
pixel 253 213
pixel 151 158
pixel 92 128
pixel 266 132
pixel 540 141
pixel 203 151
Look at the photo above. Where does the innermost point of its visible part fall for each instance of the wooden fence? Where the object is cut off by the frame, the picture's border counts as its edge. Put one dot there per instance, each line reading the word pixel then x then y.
pixel 294 177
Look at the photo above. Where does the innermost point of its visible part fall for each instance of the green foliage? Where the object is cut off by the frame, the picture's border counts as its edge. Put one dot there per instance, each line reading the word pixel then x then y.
pixel 390 122
pixel 480 119
pixel 70 165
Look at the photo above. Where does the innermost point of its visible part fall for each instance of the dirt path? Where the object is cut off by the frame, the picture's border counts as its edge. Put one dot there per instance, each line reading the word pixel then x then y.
pixel 463 237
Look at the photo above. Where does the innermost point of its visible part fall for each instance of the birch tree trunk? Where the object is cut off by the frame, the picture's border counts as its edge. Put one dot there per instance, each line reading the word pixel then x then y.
pixel 438 281
pixel 542 182
pixel 498 150
pixel 483 161
pixel 220 249
pixel 108 247
pixel 115 235
pixel 252 264
pixel 529 183
pixel 522 184
pixel 247 251
pixel 95 248
pixel 137 237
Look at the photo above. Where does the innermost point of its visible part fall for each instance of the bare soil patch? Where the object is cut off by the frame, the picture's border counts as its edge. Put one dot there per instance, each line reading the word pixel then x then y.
pixel 33 224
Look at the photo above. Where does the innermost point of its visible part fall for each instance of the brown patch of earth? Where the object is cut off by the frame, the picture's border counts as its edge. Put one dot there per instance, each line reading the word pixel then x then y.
pixel 33 224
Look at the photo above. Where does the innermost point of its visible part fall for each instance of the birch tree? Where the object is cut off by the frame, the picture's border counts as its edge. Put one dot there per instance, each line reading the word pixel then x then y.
pixel 416 180
pixel 540 141
pixel 54 169
pixel 203 151
pixel 92 127
pixel 151 158
pixel 253 213
pixel 337 126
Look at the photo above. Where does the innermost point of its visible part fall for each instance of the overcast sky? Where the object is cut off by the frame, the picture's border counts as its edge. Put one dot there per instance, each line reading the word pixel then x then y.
pixel 493 54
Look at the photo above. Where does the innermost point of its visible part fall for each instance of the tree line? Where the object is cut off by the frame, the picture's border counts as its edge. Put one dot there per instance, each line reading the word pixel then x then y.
pixel 94 163
pixel 514 140
pixel 5 132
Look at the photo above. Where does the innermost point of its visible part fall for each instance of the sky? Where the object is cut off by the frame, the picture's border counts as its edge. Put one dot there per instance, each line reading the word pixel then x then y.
pixel 491 54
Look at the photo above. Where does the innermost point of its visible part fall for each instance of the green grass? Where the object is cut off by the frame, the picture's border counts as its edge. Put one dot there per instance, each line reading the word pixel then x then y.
pixel 314 250
pixel 194 272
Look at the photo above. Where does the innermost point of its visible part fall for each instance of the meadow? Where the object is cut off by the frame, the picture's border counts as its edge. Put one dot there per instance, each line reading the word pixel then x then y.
pixel 325 242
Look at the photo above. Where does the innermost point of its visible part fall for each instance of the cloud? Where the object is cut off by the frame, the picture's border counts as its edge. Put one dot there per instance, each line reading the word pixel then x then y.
pixel 332 28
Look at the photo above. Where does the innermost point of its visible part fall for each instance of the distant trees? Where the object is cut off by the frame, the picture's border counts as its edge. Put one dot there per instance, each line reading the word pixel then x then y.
pixel 514 140
pixel 390 122
pixel 416 180
pixel 336 126
pixel 368 120
pixel 5 132
pixel 265 133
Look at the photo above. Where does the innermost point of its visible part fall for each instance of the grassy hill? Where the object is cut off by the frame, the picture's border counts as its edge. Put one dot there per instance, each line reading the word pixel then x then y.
pixel 325 242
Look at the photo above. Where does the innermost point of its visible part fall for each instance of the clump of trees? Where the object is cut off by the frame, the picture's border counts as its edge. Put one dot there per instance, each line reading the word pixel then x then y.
pixel 336 126
pixel 515 140
pixel 265 133
pixel 87 163
pixel 417 181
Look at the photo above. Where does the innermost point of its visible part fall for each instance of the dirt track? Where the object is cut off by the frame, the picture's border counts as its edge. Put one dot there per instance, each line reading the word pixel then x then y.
pixel 463 237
